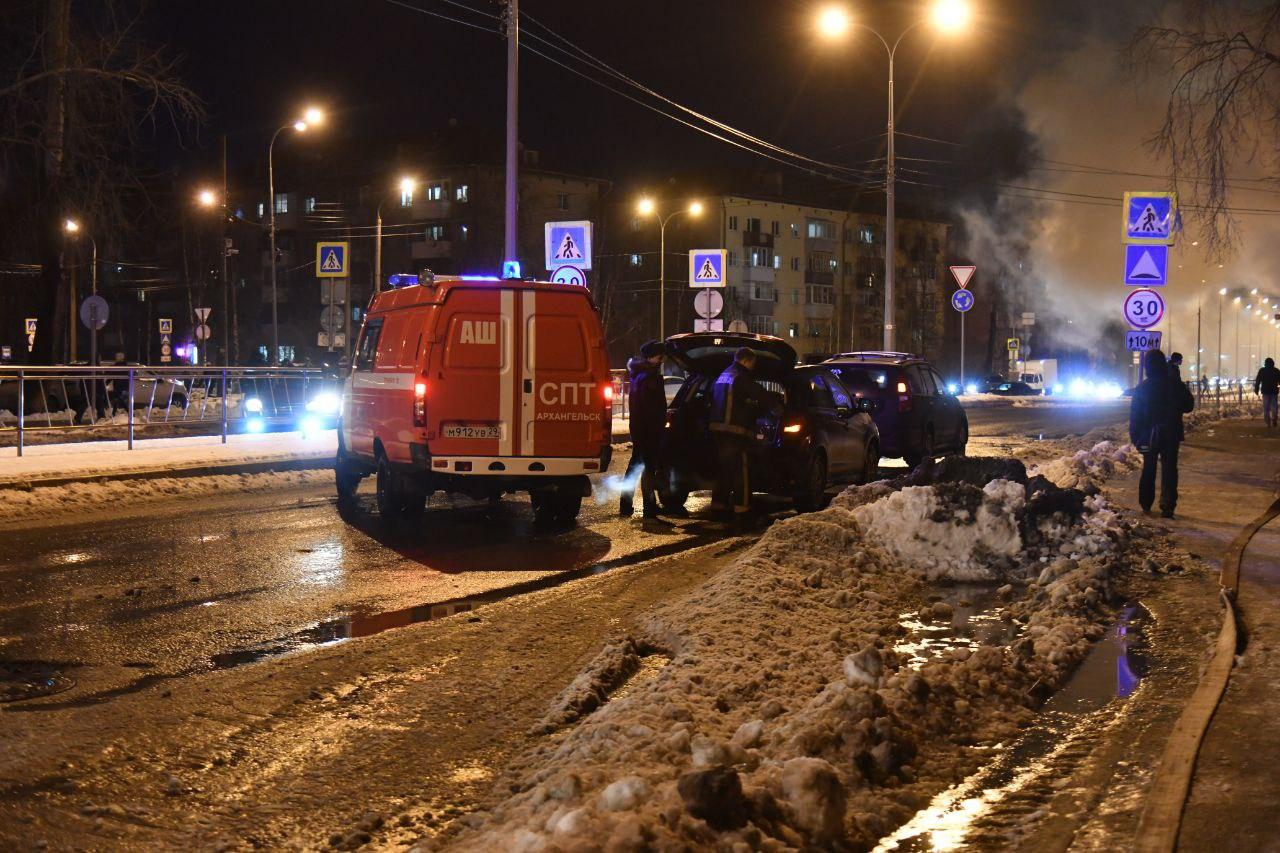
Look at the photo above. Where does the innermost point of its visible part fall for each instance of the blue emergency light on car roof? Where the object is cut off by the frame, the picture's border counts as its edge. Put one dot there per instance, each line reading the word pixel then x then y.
pixel 402 280
pixel 511 269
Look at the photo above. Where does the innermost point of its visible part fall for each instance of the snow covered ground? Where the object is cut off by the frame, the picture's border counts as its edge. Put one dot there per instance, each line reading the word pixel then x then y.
pixel 776 707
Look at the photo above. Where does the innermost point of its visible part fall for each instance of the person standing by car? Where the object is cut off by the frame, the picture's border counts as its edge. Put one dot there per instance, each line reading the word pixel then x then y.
pixel 736 401
pixel 1267 383
pixel 1155 428
pixel 648 400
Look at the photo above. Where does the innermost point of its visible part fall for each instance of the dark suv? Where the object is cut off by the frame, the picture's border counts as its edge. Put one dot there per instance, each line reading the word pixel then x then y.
pixel 917 417
pixel 814 435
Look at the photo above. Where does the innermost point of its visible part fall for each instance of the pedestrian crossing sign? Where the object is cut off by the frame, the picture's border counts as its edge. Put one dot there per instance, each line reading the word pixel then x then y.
pixel 1150 217
pixel 568 244
pixel 331 260
pixel 706 267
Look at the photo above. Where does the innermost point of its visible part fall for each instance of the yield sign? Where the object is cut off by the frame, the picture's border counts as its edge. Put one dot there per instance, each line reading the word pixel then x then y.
pixel 962 274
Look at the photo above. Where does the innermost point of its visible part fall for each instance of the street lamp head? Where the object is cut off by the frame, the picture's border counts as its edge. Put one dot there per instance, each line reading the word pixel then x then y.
pixel 408 184
pixel 1253 292
pixel 1236 300
pixel 300 126
pixel 951 16
pixel 1222 291
pixel 207 198
pixel 313 116
pixel 834 22
pixel 646 207
pixel 71 226
pixel 695 208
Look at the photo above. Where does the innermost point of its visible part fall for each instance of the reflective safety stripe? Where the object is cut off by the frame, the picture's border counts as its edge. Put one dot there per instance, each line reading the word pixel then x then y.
pixel 507 375
pixel 529 403
pixel 514 466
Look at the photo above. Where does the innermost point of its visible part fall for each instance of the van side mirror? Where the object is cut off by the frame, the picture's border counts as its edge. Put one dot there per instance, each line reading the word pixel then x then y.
pixel 868 405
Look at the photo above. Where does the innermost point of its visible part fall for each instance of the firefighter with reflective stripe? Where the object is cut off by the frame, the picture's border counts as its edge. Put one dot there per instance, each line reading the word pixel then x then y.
pixel 737 399
pixel 648 416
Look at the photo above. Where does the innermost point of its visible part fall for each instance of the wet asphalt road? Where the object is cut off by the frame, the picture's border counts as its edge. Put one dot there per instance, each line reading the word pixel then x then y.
pixel 177 588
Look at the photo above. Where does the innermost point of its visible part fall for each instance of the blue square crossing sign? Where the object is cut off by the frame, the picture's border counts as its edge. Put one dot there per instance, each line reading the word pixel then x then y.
pixel 1150 217
pixel 568 244
pixel 331 260
pixel 706 267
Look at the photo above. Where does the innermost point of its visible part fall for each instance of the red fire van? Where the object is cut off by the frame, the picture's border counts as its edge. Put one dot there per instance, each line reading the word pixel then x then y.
pixel 480 386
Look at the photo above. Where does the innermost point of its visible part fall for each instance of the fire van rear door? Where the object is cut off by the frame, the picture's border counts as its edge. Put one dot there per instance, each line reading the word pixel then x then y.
pixel 562 398
pixel 471 374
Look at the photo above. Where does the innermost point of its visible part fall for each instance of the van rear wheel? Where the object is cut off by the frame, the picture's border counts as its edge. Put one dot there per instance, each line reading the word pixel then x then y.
pixel 390 491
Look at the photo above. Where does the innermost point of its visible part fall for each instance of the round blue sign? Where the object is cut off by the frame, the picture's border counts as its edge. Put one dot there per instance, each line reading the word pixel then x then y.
pixel 962 300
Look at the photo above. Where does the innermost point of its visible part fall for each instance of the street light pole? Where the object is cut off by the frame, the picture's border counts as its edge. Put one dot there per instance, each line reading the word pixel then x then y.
pixel 271 240
pixel 377 250
pixel 511 244
pixel 647 207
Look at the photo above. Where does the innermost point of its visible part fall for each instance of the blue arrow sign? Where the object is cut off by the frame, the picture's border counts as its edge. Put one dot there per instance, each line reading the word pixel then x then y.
pixel 1149 217
pixel 706 267
pixel 962 300
pixel 1146 265
pixel 568 244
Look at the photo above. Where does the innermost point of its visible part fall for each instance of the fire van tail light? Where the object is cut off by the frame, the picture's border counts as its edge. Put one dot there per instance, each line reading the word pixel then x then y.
pixel 904 398
pixel 420 404
pixel 793 429
pixel 608 394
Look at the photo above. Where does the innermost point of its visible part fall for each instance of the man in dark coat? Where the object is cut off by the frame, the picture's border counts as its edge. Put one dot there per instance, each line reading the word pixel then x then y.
pixel 648 417
pixel 737 399
pixel 1267 383
pixel 1155 428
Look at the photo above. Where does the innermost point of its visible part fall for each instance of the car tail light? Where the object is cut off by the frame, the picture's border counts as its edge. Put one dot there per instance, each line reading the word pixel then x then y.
pixel 420 404
pixel 793 428
pixel 904 399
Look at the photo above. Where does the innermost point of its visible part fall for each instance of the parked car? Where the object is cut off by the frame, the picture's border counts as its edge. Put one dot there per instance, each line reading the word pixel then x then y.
pixel 671 385
pixel 918 417
pixel 814 435
pixel 1015 389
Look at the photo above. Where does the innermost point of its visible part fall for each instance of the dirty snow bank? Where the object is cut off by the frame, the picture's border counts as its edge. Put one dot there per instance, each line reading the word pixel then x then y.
pixel 16 505
pixel 785 719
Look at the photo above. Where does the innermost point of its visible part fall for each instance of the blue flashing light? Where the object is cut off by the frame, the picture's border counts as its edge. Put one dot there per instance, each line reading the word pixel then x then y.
pixel 511 269
pixel 476 278
pixel 402 280
pixel 256 425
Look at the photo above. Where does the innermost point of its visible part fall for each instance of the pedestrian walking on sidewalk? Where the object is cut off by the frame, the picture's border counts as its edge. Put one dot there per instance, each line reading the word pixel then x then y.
pixel 1155 428
pixel 648 417
pixel 737 399
pixel 1267 383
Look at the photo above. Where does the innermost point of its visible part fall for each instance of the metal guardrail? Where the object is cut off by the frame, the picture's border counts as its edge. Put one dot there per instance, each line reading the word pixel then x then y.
pixel 48 399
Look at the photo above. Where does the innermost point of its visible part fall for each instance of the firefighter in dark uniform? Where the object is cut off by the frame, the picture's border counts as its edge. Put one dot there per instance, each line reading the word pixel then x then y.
pixel 737 399
pixel 648 401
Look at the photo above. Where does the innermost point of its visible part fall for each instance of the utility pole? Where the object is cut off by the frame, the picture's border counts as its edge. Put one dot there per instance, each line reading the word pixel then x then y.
pixel 222 251
pixel 511 244
pixel 890 214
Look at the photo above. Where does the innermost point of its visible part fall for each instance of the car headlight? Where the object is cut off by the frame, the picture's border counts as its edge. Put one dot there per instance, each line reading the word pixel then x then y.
pixel 253 404
pixel 324 404
pixel 971 388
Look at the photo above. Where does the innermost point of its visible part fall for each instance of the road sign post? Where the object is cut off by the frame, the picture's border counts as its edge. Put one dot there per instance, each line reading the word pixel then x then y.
pixel 962 301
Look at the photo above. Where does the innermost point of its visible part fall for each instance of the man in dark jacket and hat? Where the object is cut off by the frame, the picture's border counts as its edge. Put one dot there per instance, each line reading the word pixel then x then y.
pixel 648 417
pixel 1267 383
pixel 1155 428
pixel 737 399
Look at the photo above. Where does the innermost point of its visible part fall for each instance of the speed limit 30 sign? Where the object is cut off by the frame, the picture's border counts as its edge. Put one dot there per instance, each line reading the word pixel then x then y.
pixel 1143 308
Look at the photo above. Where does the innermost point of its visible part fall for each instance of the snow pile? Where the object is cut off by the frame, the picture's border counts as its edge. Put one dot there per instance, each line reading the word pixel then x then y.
pixel 1089 469
pixel 785 719
pixel 956 541
pixel 17 504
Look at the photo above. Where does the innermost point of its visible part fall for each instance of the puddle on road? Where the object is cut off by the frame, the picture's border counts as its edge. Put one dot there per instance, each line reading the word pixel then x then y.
pixel 975 621
pixel 28 679
pixel 1112 670
pixel 367 624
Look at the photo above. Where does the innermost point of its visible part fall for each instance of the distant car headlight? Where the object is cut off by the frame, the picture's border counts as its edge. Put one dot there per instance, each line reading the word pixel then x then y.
pixel 971 388
pixel 253 404
pixel 1057 389
pixel 324 404
pixel 953 388
pixel 255 425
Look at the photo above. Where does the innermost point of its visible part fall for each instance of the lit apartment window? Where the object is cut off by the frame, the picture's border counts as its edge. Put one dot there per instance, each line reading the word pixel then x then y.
pixel 406 196
pixel 562 201
pixel 435 232
pixel 820 229
pixel 465 231
pixel 866 234
pixel 793 331
pixel 795 230
pixel 262 211
pixel 777 262
pixel 761 257
pixel 310 204
pixel 460 193
pixel 435 192
pixel 637 260
pixel 282 203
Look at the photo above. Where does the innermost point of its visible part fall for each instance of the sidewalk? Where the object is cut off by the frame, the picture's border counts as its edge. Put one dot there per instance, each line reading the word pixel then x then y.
pixel 1228 477
pixel 54 464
